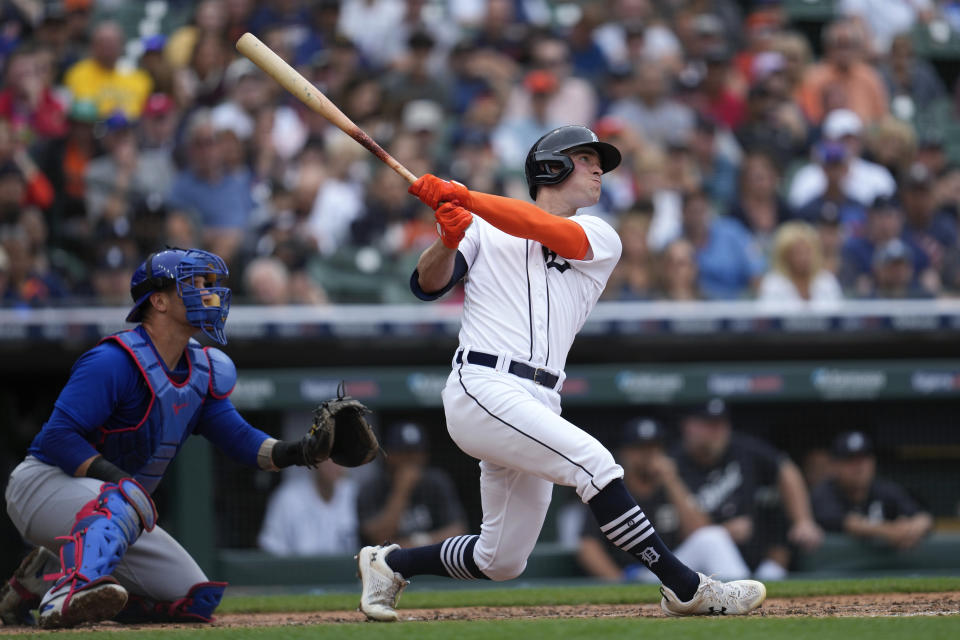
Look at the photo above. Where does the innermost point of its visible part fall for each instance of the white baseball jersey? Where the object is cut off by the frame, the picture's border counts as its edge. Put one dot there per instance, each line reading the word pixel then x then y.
pixel 526 302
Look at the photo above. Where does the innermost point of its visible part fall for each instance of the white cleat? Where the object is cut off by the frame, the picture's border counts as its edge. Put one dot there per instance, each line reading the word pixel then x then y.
pixel 24 590
pixel 382 585
pixel 65 606
pixel 715 598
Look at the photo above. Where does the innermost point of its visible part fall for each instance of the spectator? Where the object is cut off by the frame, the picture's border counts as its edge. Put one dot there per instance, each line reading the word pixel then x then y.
pixel 864 181
pixel 158 125
pixel 747 486
pixel 772 125
pixel 650 110
pixel 27 101
pixel 933 231
pixel 677 274
pixel 124 176
pixel 337 202
pixel 512 136
pixel 36 190
pixel 156 64
pixel 826 221
pixel 632 278
pixel 796 53
pixel 798 275
pixel 312 514
pixel 222 200
pixel 886 20
pixel 110 277
pixel 31 282
pixel 843 79
pixel 834 160
pixel 98 78
pixel 202 81
pixel 575 101
pixel 728 260
pixel 717 170
pixel 859 253
pixel 209 17
pixel 891 144
pixel 759 206
pixel 266 281
pixel 718 94
pixel 409 502
pixel 912 82
pixel 651 478
pixel 855 502
pixel 893 273
pixel 416 80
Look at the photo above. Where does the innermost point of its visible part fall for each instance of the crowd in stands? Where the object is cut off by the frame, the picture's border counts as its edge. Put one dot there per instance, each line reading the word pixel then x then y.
pixel 753 167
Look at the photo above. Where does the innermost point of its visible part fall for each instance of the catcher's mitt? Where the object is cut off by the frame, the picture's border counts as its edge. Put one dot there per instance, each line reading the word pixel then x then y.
pixel 339 426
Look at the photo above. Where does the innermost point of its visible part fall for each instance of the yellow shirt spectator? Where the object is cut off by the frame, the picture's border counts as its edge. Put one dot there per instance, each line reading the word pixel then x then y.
pixel 110 89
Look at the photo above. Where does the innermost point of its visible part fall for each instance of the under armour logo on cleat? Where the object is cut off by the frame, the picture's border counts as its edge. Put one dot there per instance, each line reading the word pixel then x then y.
pixel 713 611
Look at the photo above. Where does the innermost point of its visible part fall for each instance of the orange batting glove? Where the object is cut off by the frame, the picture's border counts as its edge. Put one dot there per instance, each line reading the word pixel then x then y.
pixel 452 223
pixel 432 191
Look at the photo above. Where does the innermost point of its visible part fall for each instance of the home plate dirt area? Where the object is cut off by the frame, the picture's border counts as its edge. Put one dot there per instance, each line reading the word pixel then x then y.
pixel 871 605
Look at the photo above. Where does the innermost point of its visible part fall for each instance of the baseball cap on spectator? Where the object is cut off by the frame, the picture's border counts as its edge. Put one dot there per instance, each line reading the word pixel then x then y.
pixel 113 257
pixel 422 115
pixel 83 111
pixel 830 152
pixel 851 444
pixel 405 436
pixel 609 126
pixel 540 81
pixel 158 104
pixel 640 431
pixel 712 409
pixel 918 176
pixel 230 117
pixel 840 123
pixel 884 204
pixel 156 42
pixel 719 55
pixel 420 40
pixel 238 70
pixel 117 121
pixel 766 63
pixel 895 250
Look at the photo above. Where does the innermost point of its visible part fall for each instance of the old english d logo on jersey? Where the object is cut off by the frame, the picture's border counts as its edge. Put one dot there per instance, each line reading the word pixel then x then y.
pixel 551 258
pixel 145 449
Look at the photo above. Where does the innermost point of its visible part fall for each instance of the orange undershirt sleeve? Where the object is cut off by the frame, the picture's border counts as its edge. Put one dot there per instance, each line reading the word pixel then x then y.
pixel 525 220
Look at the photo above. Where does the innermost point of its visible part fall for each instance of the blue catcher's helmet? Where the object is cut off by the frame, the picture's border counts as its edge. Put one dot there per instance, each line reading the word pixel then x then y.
pixel 549 150
pixel 207 301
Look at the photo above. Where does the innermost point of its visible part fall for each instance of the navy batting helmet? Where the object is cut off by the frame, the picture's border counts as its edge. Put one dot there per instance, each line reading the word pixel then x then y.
pixel 207 300
pixel 547 155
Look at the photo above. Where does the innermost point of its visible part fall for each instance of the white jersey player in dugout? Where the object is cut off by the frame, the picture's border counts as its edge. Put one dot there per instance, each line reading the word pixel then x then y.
pixel 532 275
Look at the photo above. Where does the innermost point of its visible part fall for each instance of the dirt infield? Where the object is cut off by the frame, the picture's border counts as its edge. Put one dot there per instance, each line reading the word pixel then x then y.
pixel 882 604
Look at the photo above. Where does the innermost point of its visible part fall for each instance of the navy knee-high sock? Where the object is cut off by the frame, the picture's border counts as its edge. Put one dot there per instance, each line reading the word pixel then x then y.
pixel 624 524
pixel 452 558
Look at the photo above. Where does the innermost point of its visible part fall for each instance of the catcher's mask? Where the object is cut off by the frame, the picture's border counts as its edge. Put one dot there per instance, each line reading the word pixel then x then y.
pixel 548 164
pixel 199 278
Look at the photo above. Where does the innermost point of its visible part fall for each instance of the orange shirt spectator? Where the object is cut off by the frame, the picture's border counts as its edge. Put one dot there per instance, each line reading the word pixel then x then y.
pixel 843 79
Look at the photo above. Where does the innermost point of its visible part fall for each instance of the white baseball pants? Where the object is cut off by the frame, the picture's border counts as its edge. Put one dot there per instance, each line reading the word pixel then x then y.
pixel 514 428
pixel 43 501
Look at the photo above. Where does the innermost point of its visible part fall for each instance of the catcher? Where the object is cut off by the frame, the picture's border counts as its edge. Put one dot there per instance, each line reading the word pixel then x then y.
pixel 85 486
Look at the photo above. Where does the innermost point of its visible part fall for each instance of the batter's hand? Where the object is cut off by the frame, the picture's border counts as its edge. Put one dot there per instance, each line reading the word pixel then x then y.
pixel 432 191
pixel 452 223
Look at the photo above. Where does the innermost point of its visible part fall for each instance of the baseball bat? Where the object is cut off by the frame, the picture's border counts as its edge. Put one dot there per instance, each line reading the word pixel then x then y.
pixel 291 80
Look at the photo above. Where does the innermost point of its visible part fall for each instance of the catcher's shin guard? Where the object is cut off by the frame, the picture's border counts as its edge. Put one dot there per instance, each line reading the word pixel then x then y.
pixel 105 527
pixel 197 606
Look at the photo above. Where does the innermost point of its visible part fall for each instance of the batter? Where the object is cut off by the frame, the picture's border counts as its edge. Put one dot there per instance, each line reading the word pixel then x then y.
pixel 532 275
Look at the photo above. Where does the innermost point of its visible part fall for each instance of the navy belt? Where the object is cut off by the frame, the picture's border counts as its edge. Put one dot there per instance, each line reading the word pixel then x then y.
pixel 538 375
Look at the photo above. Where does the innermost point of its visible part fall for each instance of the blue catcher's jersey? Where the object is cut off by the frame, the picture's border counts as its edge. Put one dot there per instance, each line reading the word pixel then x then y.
pixel 146 448
pixel 122 403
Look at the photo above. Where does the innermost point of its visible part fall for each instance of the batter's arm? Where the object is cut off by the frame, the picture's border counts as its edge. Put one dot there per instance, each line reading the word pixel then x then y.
pixel 435 266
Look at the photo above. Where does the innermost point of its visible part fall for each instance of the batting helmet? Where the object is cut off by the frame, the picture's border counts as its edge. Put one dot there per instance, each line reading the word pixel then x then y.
pixel 207 305
pixel 547 154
